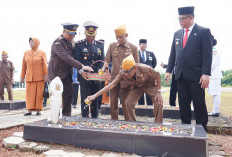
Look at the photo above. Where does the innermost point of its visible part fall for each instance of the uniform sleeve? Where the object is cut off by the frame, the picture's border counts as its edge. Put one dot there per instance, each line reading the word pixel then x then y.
pixel 24 67
pixel 77 52
pixel 156 76
pixel 154 61
pixel 117 79
pixel 135 53
pixel 206 52
pixel 102 57
pixel 109 54
pixel 172 57
pixel 60 51
pixel 45 64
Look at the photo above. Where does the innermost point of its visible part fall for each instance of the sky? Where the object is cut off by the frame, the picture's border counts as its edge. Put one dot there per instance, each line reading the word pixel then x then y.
pixel 154 20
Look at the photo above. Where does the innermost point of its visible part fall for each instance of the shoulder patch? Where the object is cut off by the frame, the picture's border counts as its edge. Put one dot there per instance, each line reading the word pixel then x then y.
pixel 60 38
pixel 99 41
pixel 80 41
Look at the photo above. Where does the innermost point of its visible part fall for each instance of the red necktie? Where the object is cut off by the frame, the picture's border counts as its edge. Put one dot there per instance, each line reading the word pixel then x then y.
pixel 185 37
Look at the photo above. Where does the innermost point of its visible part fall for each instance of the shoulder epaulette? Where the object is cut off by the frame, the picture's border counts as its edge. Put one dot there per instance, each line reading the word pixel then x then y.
pixel 80 41
pixel 99 41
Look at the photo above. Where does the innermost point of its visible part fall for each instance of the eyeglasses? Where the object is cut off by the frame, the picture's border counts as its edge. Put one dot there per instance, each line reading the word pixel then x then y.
pixel 182 18
pixel 128 71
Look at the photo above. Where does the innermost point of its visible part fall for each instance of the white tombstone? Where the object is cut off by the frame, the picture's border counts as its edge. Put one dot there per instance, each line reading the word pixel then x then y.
pixel 56 90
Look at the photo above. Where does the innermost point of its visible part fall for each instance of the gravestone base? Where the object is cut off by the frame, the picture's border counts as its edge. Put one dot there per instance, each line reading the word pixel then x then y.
pixel 12 104
pixel 146 139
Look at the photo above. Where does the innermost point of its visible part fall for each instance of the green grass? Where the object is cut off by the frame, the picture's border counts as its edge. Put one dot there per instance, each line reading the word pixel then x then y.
pixel 225 108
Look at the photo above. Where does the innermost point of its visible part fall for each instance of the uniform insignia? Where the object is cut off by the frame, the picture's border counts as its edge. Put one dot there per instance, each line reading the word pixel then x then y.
pixel 195 33
pixel 60 37
pixel 150 58
pixel 74 28
pixel 57 43
pixel 85 50
pixel 80 41
pixel 177 43
pixel 98 50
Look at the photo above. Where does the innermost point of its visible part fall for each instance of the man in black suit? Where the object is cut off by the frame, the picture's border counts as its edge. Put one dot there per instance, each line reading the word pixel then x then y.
pixel 191 55
pixel 148 58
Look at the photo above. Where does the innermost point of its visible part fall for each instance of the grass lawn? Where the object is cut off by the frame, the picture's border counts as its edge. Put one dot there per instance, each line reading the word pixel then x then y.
pixel 225 108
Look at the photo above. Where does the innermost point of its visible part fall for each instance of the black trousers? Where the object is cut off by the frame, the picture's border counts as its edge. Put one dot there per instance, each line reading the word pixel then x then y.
pixel 191 91
pixel 142 102
pixel 75 93
pixel 173 91
pixel 67 95
pixel 88 88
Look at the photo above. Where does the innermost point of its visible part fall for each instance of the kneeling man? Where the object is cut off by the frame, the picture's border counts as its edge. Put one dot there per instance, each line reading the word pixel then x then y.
pixel 143 79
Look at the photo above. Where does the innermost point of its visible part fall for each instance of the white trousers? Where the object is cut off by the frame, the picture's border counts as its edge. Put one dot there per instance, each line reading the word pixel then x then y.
pixel 216 103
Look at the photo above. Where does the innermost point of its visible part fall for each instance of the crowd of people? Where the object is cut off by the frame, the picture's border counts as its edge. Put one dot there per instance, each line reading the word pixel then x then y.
pixel 132 72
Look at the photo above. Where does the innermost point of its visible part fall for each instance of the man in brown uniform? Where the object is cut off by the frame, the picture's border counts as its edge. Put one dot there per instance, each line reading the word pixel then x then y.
pixel 117 51
pixel 6 76
pixel 142 79
pixel 61 63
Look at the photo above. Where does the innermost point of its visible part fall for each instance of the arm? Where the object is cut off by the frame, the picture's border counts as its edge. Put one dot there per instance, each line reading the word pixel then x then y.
pixel 108 58
pixel 45 66
pixel 60 51
pixel 105 89
pixel 157 77
pixel 24 68
pixel 136 55
pixel 12 73
pixel 171 61
pixel 154 62
pixel 206 59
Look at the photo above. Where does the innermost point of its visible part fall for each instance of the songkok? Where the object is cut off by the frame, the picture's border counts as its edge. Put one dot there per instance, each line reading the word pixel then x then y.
pixel 186 10
pixel 70 28
pixel 214 41
pixel 142 41
pixel 90 28
pixel 128 62
pixel 121 30
pixel 4 53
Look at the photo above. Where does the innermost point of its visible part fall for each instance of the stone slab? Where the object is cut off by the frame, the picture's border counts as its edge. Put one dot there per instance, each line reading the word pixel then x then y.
pixel 12 104
pixel 18 134
pixel 168 112
pixel 26 146
pixel 145 139
pixel 40 149
pixel 12 141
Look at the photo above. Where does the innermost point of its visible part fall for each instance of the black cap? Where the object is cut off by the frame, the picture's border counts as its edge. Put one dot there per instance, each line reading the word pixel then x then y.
pixel 142 41
pixel 70 28
pixel 214 41
pixel 186 10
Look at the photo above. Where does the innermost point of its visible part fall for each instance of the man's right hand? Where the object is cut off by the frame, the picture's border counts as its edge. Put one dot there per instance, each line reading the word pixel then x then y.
pixel 167 77
pixel 84 75
pixel 162 64
pixel 87 68
pixel 22 80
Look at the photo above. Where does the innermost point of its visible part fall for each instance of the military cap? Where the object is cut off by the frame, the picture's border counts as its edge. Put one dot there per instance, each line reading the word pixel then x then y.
pixel 4 53
pixel 186 10
pixel 90 28
pixel 142 41
pixel 128 62
pixel 70 28
pixel 121 30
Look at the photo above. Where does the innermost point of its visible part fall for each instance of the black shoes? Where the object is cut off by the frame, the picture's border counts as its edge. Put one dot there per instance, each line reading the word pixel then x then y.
pixel 38 114
pixel 27 114
pixel 213 114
